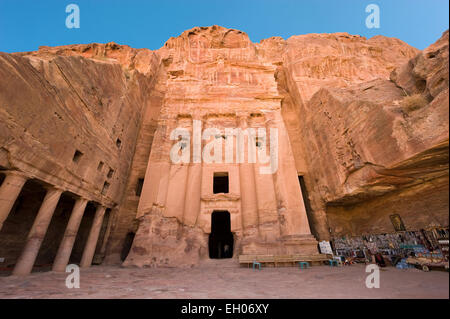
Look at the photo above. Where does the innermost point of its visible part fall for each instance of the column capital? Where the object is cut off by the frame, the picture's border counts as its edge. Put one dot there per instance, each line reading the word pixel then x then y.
pixel 15 173
pixel 242 119
pixel 82 199
pixel 167 123
pixel 170 119
pixel 273 118
pixel 100 208
pixel 55 188
pixel 197 116
pixel 9 191
pixel 242 114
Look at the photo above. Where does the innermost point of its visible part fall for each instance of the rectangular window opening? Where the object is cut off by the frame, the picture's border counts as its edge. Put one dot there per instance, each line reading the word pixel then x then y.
pixel 110 172
pixel 105 188
pixel 221 183
pixel 77 156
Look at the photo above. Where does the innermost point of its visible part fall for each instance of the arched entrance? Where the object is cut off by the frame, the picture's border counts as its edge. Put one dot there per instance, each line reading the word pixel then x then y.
pixel 221 240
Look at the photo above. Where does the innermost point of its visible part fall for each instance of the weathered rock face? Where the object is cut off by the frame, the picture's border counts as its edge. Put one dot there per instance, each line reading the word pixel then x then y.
pixel 426 73
pixel 216 77
pixel 338 60
pixel 363 149
pixel 214 68
pixel 370 154
pixel 71 121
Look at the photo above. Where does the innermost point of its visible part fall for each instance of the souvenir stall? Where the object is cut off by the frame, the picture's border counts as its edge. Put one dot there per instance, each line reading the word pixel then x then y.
pixel 403 249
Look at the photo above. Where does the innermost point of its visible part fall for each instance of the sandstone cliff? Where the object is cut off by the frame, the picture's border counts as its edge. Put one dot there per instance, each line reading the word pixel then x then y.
pixel 381 147
pixel 367 122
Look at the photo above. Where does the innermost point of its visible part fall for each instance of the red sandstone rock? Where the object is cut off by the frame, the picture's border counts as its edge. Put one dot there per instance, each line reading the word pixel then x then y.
pixel 427 73
pixel 367 150
pixel 344 128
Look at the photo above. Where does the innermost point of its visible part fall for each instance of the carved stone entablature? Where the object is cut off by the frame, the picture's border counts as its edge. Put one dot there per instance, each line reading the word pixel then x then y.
pixel 220 197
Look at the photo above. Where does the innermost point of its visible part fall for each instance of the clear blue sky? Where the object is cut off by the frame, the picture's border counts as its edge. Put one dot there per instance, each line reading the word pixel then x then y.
pixel 27 24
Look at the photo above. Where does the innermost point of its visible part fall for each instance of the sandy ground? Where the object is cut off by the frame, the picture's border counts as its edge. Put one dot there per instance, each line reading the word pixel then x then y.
pixel 226 280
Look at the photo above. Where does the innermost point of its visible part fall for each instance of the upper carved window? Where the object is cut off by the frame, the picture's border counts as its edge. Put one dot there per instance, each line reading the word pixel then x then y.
pixel 221 183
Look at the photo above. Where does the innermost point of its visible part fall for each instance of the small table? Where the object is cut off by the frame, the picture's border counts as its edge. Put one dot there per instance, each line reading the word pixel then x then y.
pixel 303 263
pixel 255 263
pixel 333 262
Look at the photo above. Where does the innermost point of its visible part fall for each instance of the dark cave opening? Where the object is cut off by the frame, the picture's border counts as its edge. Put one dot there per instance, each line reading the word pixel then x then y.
pixel 221 239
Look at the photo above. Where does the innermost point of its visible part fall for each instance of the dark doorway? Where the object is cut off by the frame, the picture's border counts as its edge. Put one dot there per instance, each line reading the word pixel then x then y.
pixel 127 245
pixel 221 239
pixel 220 183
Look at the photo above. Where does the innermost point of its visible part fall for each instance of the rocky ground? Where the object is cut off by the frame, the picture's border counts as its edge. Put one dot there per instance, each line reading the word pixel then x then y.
pixel 226 280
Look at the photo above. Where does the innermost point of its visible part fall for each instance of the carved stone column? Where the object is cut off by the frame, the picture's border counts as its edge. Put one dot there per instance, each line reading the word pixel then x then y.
pixel 37 233
pixel 9 191
pixel 91 244
pixel 65 248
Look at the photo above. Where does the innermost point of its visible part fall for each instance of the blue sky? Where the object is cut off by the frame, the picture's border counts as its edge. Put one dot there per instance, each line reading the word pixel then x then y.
pixel 27 24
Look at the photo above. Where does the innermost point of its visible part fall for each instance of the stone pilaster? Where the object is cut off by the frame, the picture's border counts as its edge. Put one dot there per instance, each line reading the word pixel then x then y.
pixel 249 203
pixel 178 176
pixel 291 208
pixel 269 227
pixel 194 180
pixel 154 191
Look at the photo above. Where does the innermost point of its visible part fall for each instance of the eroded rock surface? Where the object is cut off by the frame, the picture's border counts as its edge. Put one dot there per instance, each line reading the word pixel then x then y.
pixel 346 108
pixel 371 153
